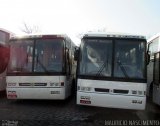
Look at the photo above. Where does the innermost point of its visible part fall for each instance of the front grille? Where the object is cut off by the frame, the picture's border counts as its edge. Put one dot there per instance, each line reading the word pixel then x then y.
pixel 101 90
pixel 120 91
pixel 32 84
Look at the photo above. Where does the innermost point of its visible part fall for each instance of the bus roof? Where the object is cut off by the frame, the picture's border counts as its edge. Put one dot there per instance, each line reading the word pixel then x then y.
pixel 115 35
pixel 30 36
pixel 153 37
pixel 6 31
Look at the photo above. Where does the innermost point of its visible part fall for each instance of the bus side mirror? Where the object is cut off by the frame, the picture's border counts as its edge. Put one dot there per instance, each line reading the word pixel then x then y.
pixel 148 57
pixel 76 53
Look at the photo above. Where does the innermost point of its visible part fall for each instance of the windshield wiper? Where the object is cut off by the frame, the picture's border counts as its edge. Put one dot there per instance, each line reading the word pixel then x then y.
pixel 102 67
pixel 43 67
pixel 122 68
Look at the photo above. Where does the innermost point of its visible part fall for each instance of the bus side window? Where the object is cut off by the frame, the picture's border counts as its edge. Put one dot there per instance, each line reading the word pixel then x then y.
pixel 153 47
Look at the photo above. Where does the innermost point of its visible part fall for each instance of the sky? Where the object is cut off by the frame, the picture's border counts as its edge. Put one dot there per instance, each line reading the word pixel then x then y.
pixel 75 17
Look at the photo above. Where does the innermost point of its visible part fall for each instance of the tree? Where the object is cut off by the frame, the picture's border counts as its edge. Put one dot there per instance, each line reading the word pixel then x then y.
pixel 30 29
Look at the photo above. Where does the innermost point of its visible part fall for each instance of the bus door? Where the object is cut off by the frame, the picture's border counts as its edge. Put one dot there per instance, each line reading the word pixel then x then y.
pixel 156 78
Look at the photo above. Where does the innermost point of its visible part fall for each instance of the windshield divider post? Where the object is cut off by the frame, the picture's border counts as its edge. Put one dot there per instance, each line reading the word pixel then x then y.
pixel 113 57
pixel 33 58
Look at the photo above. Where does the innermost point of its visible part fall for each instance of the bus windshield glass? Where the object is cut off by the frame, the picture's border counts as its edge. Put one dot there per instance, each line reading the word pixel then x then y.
pixel 129 59
pixel 97 58
pixel 36 56
pixel 48 56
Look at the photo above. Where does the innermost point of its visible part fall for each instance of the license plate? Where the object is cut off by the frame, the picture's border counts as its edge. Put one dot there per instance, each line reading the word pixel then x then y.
pixel 85 102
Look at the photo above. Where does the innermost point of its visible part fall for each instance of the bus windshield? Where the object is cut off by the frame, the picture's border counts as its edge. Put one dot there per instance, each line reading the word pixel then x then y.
pixel 48 56
pixel 129 59
pixel 97 58
pixel 36 56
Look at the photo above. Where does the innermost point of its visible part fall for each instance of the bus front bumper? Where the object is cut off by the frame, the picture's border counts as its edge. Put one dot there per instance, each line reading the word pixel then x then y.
pixel 35 93
pixel 111 100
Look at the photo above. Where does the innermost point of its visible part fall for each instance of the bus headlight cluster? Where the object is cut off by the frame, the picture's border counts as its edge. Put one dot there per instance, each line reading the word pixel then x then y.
pixel 136 92
pixel 11 84
pixel 55 84
pixel 85 88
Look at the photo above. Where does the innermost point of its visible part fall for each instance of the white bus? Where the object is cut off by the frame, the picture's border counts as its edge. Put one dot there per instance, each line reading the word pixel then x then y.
pixel 40 67
pixel 153 47
pixel 4 57
pixel 156 79
pixel 111 71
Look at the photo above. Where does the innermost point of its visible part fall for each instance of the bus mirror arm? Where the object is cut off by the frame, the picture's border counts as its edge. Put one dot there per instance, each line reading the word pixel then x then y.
pixel 148 57
pixel 76 53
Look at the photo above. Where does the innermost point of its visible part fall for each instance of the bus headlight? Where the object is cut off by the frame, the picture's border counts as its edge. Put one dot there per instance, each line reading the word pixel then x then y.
pixel 11 84
pixel 135 92
pixel 55 84
pixel 85 88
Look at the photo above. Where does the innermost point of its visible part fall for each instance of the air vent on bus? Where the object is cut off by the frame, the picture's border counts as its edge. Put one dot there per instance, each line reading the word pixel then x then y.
pixel 32 84
pixel 101 90
pixel 120 91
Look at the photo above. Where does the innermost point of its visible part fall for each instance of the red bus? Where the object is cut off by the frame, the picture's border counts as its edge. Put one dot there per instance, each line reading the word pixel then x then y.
pixel 4 57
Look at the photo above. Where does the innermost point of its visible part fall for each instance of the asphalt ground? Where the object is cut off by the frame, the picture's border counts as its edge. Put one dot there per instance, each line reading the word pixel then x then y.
pixel 67 113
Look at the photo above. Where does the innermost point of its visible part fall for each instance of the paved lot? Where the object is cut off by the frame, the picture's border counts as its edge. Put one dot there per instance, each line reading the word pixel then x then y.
pixel 58 113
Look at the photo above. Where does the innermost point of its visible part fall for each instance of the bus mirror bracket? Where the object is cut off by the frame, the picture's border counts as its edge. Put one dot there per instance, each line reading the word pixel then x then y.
pixel 76 53
pixel 148 57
